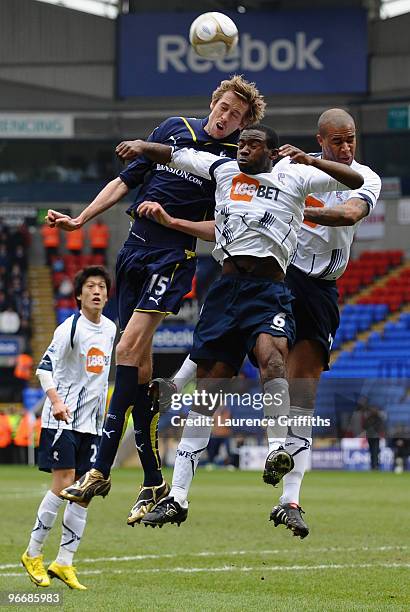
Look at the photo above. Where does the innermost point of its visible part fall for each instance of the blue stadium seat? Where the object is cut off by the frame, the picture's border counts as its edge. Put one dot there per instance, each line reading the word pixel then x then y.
pixel 31 397
pixel 63 314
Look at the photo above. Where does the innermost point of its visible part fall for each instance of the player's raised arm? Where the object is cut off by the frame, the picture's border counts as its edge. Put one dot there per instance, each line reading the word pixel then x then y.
pixel 200 229
pixel 197 162
pixel 155 151
pixel 114 191
pixel 339 216
pixel 342 173
pixel 360 203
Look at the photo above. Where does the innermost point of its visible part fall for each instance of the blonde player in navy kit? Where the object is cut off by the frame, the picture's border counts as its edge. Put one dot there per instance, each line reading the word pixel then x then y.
pixel 259 210
pixel 74 375
pixel 154 271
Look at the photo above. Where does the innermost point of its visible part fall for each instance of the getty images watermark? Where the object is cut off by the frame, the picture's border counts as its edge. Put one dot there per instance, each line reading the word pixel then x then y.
pixel 200 400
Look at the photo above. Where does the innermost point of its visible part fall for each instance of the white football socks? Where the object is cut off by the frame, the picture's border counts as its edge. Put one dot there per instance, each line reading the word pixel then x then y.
pixel 298 444
pixel 194 441
pixel 276 405
pixel 185 374
pixel 74 521
pixel 46 516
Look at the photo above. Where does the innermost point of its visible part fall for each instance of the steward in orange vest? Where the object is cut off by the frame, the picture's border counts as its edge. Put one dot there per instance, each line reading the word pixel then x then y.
pixel 51 241
pixel 99 236
pixel 51 236
pixel 75 241
pixel 6 431
pixel 25 430
pixel 24 367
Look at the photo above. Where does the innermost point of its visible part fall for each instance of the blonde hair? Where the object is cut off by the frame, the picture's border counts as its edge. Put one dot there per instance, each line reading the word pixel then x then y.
pixel 247 92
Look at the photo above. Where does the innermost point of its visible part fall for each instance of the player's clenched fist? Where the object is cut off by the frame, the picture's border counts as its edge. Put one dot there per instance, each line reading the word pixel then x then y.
pixel 52 216
pixel 61 412
pixel 130 149
pixel 64 222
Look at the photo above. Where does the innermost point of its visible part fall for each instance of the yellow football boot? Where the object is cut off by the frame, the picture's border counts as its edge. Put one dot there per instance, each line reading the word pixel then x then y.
pixel 35 569
pixel 67 574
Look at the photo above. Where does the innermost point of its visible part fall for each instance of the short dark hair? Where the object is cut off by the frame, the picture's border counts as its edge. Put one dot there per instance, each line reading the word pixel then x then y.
pixel 272 139
pixel 82 276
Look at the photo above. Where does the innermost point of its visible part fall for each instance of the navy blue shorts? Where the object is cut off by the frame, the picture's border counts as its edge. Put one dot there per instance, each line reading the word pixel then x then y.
pixel 150 279
pixel 236 310
pixel 63 449
pixel 315 309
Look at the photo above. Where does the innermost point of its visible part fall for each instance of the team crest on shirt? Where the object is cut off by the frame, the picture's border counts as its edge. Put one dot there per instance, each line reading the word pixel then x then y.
pixel 96 360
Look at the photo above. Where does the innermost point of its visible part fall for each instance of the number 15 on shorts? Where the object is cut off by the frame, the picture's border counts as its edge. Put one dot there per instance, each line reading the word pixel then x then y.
pixel 157 287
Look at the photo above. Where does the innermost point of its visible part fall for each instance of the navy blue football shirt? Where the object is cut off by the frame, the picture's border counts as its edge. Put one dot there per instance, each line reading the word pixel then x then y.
pixel 182 194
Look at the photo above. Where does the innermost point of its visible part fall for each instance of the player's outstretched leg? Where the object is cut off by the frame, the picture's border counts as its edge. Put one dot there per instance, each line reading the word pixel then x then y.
pixel 146 500
pixel 290 515
pixel 168 510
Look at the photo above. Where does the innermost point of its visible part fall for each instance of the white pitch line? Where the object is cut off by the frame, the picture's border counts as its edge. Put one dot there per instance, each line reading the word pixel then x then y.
pixel 228 553
pixel 230 568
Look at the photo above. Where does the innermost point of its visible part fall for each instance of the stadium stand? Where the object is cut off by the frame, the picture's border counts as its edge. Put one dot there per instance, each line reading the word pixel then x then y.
pixel 63 270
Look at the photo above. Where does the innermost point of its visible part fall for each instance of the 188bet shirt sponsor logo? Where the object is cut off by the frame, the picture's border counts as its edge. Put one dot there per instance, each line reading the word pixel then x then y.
pixel 244 188
pixel 96 360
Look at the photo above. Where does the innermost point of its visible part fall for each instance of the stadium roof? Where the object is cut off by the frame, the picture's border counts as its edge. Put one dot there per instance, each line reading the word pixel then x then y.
pixel 110 8
pixel 104 8
pixel 391 8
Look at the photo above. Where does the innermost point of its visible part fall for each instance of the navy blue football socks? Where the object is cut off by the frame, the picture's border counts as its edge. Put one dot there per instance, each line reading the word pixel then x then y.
pixel 123 397
pixel 145 417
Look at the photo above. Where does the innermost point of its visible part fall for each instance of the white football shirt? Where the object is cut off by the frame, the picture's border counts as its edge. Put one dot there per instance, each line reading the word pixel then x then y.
pixel 258 214
pixel 79 358
pixel 323 251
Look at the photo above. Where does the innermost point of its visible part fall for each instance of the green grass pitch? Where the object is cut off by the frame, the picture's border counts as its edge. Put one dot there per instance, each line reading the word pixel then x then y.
pixel 227 556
